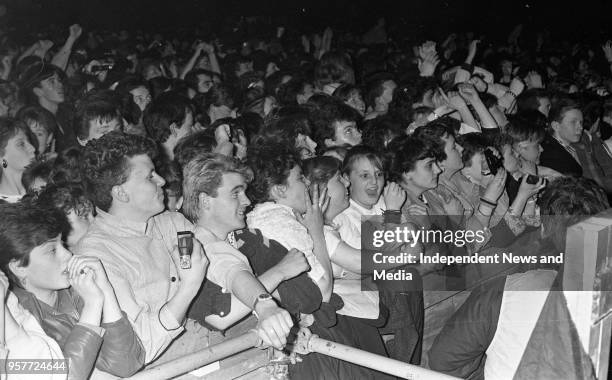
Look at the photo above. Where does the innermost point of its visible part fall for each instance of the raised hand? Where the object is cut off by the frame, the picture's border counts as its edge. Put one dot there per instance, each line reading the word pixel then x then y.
pixel 529 190
pixel 85 285
pixel 428 58
pixel 607 49
pixel 472 51
pixel 75 32
pixel 496 187
pixel 80 264
pixel 394 196
pixel 314 218
pixel 468 92
pixel 478 83
pixel 194 276
pixel 534 80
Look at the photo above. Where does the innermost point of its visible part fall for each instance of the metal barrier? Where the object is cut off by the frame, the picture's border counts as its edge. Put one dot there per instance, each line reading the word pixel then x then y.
pixel 313 343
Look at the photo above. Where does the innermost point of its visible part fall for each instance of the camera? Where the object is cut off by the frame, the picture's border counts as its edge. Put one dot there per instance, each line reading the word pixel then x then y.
pixel 495 163
pixel 185 246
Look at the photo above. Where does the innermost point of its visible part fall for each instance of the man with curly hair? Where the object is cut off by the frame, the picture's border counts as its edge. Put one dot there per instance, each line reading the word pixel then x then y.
pixel 139 251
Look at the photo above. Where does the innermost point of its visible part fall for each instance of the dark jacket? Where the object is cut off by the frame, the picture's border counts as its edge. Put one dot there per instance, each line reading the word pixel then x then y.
pixel 558 158
pixel 118 351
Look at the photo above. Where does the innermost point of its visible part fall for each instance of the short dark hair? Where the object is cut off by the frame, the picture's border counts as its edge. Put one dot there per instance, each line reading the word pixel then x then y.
pixel 105 163
pixel 23 227
pixel 560 107
pixel 321 169
pixel 404 152
pixel 272 164
pixel 378 132
pixel 472 143
pixel 66 198
pixel 522 130
pixel 162 112
pixel 37 169
pixel 530 99
pixel 37 114
pixel 326 117
pixel 191 146
pixel 93 108
pixel 434 132
pixel 566 201
pixel 9 128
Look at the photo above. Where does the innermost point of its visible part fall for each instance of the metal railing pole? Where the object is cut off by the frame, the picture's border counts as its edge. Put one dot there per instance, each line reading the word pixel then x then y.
pixel 199 359
pixel 373 361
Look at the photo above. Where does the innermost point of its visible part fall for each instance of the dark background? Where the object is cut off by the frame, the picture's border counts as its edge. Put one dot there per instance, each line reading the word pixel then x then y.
pixel 433 17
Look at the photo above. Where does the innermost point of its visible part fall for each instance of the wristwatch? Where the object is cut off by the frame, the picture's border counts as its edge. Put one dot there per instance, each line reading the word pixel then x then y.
pixel 262 297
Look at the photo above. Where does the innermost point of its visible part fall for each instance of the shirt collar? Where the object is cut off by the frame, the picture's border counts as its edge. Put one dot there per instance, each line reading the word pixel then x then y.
pixel 120 226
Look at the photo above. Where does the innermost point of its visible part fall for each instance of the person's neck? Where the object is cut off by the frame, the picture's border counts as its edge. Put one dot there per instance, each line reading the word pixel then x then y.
pixel 529 167
pixel 48 105
pixel 448 174
pixel 367 207
pixel 412 189
pixel 127 213
pixel 45 295
pixel 219 230
pixel 168 148
pixel 561 140
pixel 10 182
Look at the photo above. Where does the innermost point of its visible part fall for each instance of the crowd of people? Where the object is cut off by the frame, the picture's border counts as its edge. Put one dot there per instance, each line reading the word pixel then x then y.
pixel 270 151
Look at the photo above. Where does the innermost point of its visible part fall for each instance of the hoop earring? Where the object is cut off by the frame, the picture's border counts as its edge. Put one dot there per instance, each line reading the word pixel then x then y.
pixel 4 163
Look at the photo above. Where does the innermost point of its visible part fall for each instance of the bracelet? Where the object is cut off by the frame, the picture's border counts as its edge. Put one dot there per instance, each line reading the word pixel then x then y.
pixel 486 201
pixel 511 94
pixel 162 323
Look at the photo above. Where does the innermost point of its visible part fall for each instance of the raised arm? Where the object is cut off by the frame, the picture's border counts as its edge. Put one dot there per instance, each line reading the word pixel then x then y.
pixel 60 59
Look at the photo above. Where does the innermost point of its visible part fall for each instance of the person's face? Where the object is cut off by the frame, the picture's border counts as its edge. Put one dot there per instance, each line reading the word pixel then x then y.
pixel 186 127
pixel 529 150
pixel 366 182
pixel 305 145
pixel 142 97
pixel 228 207
pixel 425 174
pixel 99 127
pixel 151 72
pixel 269 104
pixel 18 153
pixel 356 101
pixel 204 83
pixel 306 94
pixel 41 133
pixel 544 106
pixel 142 192
pixel 453 162
pixel 51 89
pixel 506 68
pixel 337 191
pixel 387 95
pixel 294 194
pixel 478 169
pixel 203 62
pixel 346 132
pixel 47 267
pixel 569 129
pixel 511 162
pixel 79 223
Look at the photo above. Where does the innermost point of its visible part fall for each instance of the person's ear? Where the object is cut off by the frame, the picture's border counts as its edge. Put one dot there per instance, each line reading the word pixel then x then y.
pixel 18 270
pixel 406 177
pixel 37 91
pixel 174 129
pixel 554 125
pixel 278 192
pixel 179 202
pixel 119 193
pixel 203 201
